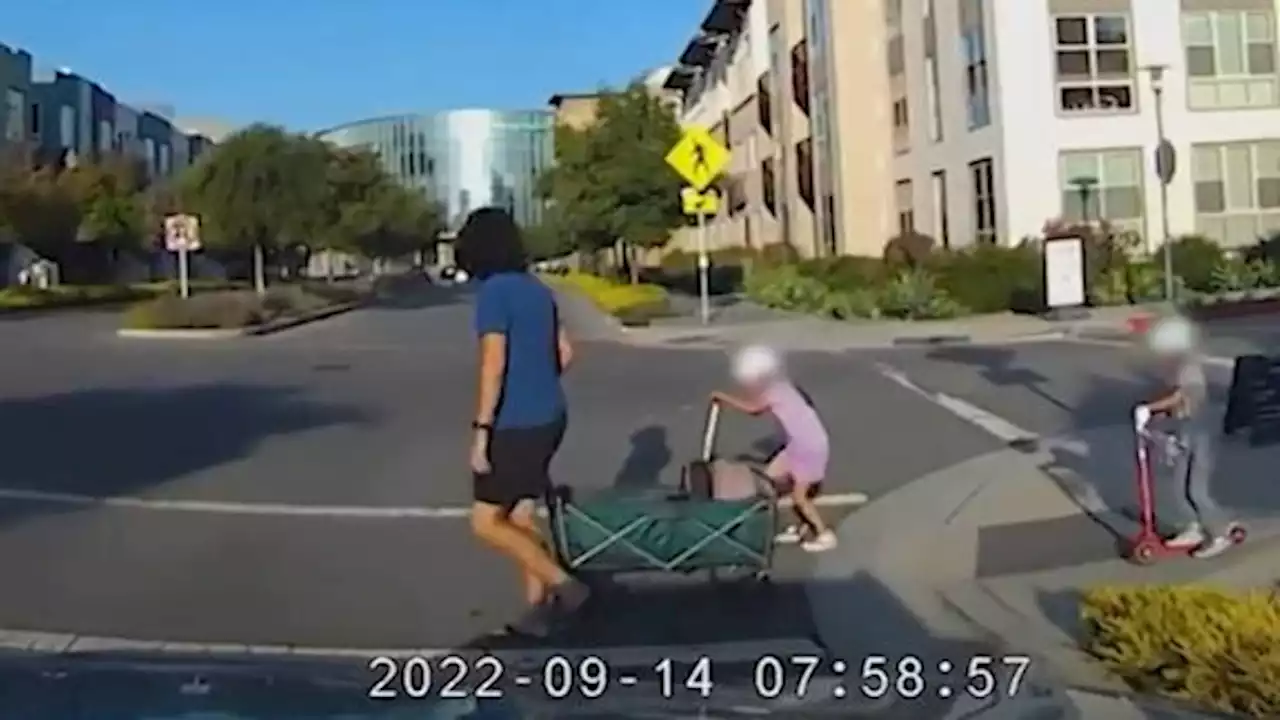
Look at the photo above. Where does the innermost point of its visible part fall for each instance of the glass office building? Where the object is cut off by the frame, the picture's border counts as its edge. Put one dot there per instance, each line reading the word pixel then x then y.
pixel 463 159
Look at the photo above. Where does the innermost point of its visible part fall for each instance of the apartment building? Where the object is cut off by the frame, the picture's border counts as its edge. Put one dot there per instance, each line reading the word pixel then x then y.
pixel 1019 111
pixel 777 81
pixel 15 83
pixel 981 120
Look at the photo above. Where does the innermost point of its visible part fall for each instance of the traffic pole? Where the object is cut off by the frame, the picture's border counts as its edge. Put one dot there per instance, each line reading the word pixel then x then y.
pixel 704 269
pixel 184 285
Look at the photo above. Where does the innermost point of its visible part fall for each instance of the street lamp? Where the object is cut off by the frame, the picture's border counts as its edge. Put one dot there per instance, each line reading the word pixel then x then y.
pixel 1084 186
pixel 1166 160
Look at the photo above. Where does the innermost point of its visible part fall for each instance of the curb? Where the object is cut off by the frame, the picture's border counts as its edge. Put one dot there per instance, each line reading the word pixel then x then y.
pixel 229 333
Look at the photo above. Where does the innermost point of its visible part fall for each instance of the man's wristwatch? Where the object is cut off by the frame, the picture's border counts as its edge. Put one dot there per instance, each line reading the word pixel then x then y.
pixel 477 425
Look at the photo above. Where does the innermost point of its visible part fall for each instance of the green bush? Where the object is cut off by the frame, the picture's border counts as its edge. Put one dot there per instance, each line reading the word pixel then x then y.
pixel 911 249
pixel 1237 273
pixel 847 271
pixel 914 294
pixel 24 297
pixel 785 287
pixel 1195 258
pixel 1217 649
pixel 203 311
pixel 990 278
pixel 228 309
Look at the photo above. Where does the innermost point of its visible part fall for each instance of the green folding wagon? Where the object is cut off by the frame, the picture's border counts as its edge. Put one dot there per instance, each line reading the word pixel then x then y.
pixel 668 530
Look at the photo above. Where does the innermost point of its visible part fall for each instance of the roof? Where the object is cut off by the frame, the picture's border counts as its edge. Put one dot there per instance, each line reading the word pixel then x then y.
pixel 724 18
pixel 559 98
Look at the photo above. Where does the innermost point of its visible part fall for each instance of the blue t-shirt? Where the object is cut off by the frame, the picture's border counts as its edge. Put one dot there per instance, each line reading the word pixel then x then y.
pixel 518 306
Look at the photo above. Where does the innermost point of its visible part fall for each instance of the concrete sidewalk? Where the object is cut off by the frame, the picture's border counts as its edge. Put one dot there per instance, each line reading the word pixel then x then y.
pixel 990 556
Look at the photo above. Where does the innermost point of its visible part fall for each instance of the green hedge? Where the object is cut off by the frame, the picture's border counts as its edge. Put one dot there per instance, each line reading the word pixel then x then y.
pixel 914 281
pixel 234 309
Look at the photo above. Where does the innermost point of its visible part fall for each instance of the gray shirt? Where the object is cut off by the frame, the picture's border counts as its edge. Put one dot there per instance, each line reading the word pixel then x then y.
pixel 1196 427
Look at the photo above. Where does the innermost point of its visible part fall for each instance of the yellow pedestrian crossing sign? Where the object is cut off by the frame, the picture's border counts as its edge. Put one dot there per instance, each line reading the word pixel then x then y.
pixel 706 202
pixel 698 157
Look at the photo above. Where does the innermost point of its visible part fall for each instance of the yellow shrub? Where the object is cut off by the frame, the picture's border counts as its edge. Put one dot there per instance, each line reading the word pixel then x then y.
pixel 1211 647
pixel 615 298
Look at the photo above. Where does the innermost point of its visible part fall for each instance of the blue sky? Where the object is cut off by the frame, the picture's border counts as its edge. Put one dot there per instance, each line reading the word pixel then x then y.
pixel 310 64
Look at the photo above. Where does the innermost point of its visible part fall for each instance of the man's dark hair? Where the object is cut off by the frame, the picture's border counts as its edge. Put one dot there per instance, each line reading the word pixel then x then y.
pixel 490 243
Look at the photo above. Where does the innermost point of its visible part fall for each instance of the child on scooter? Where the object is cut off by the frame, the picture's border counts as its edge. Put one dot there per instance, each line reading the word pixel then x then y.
pixel 1173 341
pixel 802 463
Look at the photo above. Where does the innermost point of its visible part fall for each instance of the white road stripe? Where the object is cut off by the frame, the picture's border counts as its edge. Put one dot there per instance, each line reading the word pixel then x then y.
pixel 851 499
pixel 993 424
pixel 627 655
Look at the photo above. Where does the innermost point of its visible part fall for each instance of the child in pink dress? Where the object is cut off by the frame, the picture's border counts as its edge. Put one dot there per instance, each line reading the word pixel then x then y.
pixel 802 463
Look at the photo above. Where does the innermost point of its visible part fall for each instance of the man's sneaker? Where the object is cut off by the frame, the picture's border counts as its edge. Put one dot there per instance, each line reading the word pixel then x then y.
pixel 1192 536
pixel 824 541
pixel 1213 548
pixel 790 535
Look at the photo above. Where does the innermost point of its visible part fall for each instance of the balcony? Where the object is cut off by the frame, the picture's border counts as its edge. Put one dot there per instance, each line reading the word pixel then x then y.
pixel 800 75
pixel 804 171
pixel 764 102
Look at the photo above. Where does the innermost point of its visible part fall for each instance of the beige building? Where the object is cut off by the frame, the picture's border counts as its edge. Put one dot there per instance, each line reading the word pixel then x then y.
pixel 576 110
pixel 812 158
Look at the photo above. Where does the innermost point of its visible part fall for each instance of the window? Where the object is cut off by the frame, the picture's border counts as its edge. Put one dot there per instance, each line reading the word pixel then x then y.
pixel 905 205
pixel 977 81
pixel 768 186
pixel 800 75
pixel 896 55
pixel 165 160
pixel 901 126
pixel 804 171
pixel 1093 60
pixel 764 102
pixel 941 224
pixel 105 135
pixel 15 115
pixel 1231 59
pixel 1237 190
pixel 933 96
pixel 982 188
pixel 34 128
pixel 1103 185
pixel 67 126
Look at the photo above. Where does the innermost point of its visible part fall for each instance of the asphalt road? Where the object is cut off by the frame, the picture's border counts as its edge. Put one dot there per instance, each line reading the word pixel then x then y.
pixel 368 410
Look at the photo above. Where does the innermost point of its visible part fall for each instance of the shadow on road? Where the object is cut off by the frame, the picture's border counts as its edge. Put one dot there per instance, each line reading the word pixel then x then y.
pixel 120 441
pixel 649 455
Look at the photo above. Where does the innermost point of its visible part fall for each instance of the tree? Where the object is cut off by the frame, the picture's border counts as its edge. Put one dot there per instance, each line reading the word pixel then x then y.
pixel 109 197
pixel 258 191
pixel 611 182
pixel 368 213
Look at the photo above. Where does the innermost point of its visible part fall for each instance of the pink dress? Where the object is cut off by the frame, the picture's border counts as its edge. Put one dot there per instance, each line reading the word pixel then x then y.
pixel 805 455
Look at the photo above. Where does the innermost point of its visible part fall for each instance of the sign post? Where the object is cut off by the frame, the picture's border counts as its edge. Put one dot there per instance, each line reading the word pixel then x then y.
pixel 699 160
pixel 182 236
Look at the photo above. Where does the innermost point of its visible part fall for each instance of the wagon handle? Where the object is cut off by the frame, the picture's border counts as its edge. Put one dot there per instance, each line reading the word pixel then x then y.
pixel 710 431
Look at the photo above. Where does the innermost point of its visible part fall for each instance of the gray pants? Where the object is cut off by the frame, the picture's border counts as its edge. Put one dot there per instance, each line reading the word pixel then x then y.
pixel 1190 490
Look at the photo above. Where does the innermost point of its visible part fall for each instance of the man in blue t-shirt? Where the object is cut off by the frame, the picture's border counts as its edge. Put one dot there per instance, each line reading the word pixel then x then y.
pixel 520 410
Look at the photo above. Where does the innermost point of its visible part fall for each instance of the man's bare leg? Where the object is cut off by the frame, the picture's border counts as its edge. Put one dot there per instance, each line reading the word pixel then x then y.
pixel 495 528
pixel 523 516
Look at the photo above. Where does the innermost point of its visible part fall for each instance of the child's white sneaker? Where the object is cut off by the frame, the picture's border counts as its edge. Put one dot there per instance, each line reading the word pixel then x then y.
pixel 825 540
pixel 1213 548
pixel 790 535
pixel 1192 536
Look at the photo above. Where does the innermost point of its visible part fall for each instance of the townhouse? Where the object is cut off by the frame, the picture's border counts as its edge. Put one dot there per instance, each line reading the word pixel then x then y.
pixel 981 120
pixel 15 83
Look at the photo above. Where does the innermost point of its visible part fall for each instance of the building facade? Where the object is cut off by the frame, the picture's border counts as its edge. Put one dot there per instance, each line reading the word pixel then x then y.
pixel 982 120
pixel 15 85
pixel 462 159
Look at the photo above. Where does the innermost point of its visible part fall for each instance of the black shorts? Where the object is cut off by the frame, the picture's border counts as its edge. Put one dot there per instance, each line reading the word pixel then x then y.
pixel 520 460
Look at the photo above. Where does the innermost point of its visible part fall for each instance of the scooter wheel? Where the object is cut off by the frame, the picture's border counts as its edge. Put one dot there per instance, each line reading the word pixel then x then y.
pixel 1237 533
pixel 1143 553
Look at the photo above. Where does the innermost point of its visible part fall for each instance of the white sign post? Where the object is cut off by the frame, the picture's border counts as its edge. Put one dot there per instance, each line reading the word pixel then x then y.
pixel 182 236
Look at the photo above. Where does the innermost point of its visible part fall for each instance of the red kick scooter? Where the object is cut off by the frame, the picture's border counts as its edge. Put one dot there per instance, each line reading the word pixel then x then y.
pixel 1149 545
